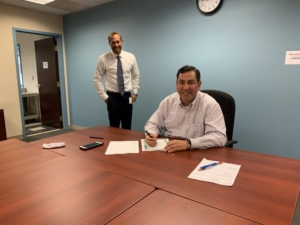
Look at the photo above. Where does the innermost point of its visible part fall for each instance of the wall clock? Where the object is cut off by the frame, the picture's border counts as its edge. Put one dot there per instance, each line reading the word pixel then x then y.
pixel 209 6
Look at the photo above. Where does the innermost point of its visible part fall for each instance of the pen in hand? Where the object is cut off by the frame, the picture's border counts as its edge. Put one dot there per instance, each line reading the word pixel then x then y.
pixel 148 134
pixel 209 166
pixel 96 137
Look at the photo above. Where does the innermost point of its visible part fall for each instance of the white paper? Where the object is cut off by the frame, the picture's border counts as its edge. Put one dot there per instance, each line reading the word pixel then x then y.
pixel 292 58
pixel 45 65
pixel 122 147
pixel 161 143
pixel 223 174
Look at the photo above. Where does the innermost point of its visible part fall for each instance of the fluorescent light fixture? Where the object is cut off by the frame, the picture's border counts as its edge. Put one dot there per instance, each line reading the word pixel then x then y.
pixel 41 2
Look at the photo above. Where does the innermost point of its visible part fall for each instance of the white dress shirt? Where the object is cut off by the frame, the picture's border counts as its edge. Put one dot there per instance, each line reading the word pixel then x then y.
pixel 107 67
pixel 202 122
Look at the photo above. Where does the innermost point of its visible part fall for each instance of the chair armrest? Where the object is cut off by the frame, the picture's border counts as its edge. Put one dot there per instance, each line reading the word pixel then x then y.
pixel 230 143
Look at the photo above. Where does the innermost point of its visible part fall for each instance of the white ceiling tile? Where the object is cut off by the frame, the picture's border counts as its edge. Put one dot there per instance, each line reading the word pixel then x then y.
pixel 51 10
pixel 21 3
pixel 41 2
pixel 59 7
pixel 92 2
pixel 68 6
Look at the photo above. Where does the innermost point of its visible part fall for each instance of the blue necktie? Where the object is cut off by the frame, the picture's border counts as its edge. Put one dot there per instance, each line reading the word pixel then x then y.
pixel 120 77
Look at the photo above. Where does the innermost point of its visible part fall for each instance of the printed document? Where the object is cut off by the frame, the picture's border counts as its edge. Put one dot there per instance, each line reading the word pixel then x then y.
pixel 224 173
pixel 161 143
pixel 122 147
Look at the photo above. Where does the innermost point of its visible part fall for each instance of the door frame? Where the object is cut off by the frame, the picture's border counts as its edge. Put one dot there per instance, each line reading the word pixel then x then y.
pixel 58 38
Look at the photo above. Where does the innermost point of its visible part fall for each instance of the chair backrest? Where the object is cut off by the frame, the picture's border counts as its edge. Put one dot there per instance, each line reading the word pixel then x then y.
pixel 227 105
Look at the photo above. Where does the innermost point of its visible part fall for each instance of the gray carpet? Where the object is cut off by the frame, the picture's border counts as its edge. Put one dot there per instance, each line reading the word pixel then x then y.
pixel 38 128
pixel 296 219
pixel 46 135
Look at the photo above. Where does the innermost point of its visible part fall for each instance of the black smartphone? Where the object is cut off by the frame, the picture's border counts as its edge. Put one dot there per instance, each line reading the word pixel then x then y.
pixel 90 145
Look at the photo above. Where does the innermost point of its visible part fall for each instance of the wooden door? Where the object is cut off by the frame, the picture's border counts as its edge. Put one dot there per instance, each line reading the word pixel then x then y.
pixel 48 82
pixel 2 126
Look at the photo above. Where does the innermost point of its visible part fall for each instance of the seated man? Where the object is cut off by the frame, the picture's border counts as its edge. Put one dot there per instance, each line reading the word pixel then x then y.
pixel 188 113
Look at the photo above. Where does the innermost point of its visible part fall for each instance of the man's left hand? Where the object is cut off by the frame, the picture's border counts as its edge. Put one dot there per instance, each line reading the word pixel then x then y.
pixel 176 145
pixel 134 96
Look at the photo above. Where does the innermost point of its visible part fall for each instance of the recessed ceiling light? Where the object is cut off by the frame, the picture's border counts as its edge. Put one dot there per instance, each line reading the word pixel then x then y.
pixel 41 2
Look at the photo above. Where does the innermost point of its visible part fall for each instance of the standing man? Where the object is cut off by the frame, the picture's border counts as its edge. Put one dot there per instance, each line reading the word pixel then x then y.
pixel 122 82
pixel 188 114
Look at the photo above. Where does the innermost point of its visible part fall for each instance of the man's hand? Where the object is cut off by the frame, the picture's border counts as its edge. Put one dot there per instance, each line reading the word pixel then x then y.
pixel 134 96
pixel 151 141
pixel 176 145
pixel 106 100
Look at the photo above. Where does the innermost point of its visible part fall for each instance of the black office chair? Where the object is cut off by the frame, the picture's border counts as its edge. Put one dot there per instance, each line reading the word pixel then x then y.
pixel 227 105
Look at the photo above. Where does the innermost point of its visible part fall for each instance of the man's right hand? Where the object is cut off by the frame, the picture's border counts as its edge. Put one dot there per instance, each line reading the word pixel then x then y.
pixel 151 141
pixel 106 100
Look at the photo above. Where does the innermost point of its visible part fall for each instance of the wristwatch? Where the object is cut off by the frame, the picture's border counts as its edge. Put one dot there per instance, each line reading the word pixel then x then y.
pixel 189 142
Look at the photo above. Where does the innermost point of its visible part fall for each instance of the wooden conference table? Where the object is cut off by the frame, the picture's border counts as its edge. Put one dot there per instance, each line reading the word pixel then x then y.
pixel 87 187
pixel 40 187
pixel 265 190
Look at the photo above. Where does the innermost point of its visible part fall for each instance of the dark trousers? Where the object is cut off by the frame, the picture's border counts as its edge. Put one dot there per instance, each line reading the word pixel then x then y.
pixel 119 110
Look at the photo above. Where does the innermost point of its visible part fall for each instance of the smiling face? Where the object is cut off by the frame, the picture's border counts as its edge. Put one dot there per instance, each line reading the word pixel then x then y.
pixel 187 87
pixel 115 43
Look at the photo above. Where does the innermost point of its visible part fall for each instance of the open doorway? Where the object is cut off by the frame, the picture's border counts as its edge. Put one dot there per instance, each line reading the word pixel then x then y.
pixel 37 71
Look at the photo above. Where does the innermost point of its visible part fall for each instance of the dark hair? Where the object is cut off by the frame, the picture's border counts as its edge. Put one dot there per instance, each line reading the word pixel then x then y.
pixel 112 34
pixel 187 68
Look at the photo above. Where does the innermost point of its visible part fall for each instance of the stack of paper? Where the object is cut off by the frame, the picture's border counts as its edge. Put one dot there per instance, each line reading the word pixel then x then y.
pixel 160 145
pixel 224 173
pixel 122 147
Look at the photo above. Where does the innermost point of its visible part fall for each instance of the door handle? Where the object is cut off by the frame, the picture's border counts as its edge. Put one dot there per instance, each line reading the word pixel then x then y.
pixel 39 85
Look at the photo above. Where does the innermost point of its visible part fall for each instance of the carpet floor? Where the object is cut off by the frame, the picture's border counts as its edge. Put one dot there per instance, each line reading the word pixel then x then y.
pixel 39 131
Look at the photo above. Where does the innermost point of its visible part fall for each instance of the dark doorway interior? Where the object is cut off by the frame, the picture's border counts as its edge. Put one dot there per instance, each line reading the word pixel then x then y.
pixel 48 82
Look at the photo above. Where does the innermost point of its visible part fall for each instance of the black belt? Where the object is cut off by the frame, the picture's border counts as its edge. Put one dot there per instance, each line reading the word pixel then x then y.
pixel 127 93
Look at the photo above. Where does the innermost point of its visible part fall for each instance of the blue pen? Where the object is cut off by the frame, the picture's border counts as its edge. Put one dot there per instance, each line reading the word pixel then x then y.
pixel 208 166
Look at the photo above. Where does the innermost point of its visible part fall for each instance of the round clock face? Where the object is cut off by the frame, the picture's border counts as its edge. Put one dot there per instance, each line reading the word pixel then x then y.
pixel 209 6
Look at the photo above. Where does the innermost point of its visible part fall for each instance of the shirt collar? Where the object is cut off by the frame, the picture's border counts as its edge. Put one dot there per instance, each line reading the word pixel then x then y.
pixel 115 55
pixel 178 101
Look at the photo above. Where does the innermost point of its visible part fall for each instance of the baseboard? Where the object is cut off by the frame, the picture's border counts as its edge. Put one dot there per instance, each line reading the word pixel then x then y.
pixel 16 137
pixel 75 127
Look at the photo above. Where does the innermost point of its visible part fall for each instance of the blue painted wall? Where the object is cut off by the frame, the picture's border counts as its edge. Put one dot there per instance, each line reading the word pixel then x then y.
pixel 240 50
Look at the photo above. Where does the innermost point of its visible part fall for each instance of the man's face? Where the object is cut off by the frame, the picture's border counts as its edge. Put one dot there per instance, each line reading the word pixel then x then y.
pixel 116 44
pixel 187 87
